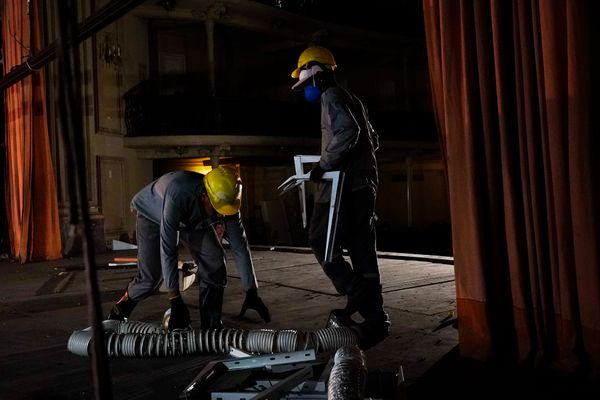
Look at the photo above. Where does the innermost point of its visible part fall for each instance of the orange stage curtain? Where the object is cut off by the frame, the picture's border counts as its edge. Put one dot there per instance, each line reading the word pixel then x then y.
pixel 32 205
pixel 516 92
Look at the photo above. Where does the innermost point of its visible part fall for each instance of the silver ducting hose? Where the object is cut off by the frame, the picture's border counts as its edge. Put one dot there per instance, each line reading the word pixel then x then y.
pixel 138 339
pixel 265 341
pixel 348 375
pixel 80 340
pixel 170 344
pixel 114 326
pixel 329 339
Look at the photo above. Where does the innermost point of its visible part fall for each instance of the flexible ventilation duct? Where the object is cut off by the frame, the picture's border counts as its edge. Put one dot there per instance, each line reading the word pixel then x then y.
pixel 348 375
pixel 138 339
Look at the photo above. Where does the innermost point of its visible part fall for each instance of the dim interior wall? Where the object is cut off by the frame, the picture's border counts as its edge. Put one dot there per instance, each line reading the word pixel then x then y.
pixel 180 52
pixel 72 243
pixel 275 219
pixel 108 144
pixel 114 173
pixel 415 220
pixel 270 218
pixel 401 76
pixel 239 60
pixel 428 195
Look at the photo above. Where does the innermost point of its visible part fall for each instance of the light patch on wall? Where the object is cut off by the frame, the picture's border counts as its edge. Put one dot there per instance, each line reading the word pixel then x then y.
pixel 203 169
pixel 201 165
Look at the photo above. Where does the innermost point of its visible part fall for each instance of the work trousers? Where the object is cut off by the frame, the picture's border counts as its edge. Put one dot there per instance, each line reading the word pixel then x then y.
pixel 355 232
pixel 203 245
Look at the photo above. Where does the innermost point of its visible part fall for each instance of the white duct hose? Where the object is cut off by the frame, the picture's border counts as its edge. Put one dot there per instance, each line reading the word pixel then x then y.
pixel 348 375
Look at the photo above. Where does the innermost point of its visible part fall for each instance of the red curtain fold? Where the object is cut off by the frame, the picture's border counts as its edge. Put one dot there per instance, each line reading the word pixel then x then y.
pixel 515 86
pixel 32 205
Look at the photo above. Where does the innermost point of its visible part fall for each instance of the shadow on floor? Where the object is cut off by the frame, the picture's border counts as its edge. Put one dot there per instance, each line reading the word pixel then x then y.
pixel 457 377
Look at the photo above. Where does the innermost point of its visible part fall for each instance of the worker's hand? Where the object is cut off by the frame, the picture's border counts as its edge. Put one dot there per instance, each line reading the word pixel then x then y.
pixel 254 302
pixel 316 173
pixel 219 230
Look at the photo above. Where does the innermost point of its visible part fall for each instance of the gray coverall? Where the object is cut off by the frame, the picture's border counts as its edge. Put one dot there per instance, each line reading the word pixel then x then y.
pixel 348 143
pixel 171 206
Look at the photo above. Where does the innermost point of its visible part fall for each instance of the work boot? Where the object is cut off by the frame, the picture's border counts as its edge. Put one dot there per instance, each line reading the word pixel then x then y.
pixel 369 301
pixel 211 304
pixel 180 315
pixel 123 308
pixel 376 325
pixel 372 332
pixel 254 302
pixel 357 295
pixel 340 319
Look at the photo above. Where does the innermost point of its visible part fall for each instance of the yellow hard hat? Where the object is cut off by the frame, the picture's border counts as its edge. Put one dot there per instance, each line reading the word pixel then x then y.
pixel 314 53
pixel 224 189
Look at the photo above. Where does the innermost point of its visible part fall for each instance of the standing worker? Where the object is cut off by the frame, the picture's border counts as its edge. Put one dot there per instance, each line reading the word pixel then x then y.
pixel 185 206
pixel 348 144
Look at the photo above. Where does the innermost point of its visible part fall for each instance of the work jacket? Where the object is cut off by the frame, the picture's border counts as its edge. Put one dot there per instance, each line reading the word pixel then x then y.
pixel 173 202
pixel 348 142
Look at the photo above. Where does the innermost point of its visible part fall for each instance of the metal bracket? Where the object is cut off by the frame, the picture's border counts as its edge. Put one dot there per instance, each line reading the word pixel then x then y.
pixel 237 353
pixel 299 375
pixel 302 368
pixel 299 162
pixel 300 178
pixel 270 360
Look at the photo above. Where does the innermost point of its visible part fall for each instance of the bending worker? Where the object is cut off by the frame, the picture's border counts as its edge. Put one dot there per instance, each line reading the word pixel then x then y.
pixel 185 206
pixel 348 144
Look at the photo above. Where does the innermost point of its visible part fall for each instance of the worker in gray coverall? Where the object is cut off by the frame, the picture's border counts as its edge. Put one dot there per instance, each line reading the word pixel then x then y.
pixel 348 144
pixel 184 207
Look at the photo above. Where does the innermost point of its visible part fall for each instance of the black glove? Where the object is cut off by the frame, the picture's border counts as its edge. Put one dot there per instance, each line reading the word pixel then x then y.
pixel 316 173
pixel 180 315
pixel 254 302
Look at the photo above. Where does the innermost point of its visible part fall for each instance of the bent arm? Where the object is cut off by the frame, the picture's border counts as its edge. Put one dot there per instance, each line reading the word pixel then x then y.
pixel 236 235
pixel 169 225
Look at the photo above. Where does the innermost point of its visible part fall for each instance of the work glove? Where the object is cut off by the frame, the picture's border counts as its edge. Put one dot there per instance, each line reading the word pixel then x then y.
pixel 316 173
pixel 180 315
pixel 123 308
pixel 254 302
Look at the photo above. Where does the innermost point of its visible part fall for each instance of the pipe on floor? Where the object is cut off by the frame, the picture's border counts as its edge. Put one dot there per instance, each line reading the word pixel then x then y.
pixel 138 339
pixel 348 376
